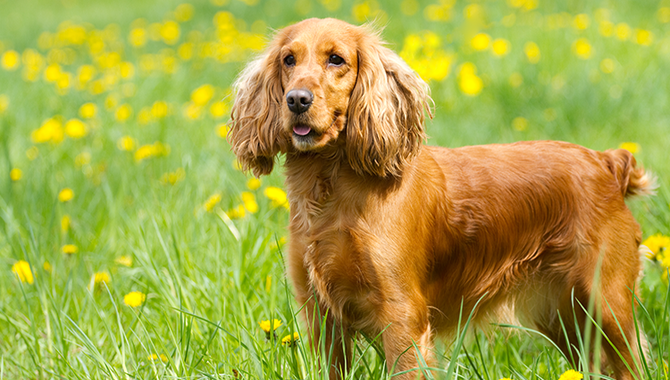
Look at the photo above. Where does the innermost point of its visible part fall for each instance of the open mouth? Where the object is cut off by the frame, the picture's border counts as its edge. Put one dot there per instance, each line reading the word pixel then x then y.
pixel 302 130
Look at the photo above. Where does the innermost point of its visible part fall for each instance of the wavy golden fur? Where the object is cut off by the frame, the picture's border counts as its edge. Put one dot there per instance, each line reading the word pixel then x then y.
pixel 393 237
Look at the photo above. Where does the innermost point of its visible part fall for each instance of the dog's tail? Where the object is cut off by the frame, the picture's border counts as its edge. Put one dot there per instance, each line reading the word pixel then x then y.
pixel 632 180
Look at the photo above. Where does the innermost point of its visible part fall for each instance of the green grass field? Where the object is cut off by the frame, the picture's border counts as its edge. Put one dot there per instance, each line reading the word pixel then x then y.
pixel 131 247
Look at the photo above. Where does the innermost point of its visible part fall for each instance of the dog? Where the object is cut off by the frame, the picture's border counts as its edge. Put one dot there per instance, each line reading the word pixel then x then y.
pixel 397 239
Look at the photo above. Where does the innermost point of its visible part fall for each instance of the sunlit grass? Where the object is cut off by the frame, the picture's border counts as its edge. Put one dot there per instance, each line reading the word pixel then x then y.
pixel 131 246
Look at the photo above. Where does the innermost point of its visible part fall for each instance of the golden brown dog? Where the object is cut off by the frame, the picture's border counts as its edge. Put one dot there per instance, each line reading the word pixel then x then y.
pixel 393 237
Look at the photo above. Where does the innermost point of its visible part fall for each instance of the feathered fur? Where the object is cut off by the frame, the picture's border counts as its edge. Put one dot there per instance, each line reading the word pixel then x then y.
pixel 393 237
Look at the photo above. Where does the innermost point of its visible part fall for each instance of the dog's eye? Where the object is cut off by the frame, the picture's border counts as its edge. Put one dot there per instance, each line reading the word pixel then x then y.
pixel 335 59
pixel 289 60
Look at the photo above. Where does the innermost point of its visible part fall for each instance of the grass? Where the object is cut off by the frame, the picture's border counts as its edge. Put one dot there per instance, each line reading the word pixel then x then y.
pixel 163 223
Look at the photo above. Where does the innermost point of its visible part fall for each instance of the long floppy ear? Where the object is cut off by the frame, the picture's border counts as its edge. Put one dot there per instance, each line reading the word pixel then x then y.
pixel 255 131
pixel 385 120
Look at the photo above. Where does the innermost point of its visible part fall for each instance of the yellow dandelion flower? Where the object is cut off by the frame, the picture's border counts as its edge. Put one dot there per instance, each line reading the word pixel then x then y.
pixel 185 51
pixel 124 112
pixel 480 41
pixel 126 261
pixel 630 146
pixel 170 32
pixel 126 70
pixel 66 195
pixel 10 60
pixel 249 200
pixel 529 5
pixel 69 249
pixel 622 31
pixel 437 67
pixel 85 74
pixel 65 223
pixel 99 280
pixel 270 325
pixel 532 52
pixel 222 130
pixel 76 128
pixel 276 195
pixel 161 357
pixel 4 103
pixel 581 21
pixel 23 271
pixel 47 267
pixel 52 73
pixel 202 95
pixel 159 109
pixel 111 102
pixel 172 178
pixel 126 143
pixel 88 110
pixel 607 66
pixel 253 184
pixel 644 37
pixel 290 340
pixel 211 202
pixel 571 374
pixel 51 130
pixel 468 81
pixel 151 150
pixel 64 82
pixel 236 212
pixel 520 123
pixel 138 37
pixel 218 109
pixel 500 47
pixel 134 299
pixel 15 174
pixel 657 244
pixel 97 87
pixel 582 48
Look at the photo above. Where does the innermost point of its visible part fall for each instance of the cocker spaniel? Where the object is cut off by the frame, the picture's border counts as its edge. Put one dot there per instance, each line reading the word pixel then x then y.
pixel 396 238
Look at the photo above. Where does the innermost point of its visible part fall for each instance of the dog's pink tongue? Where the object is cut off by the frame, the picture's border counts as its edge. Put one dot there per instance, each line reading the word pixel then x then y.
pixel 301 129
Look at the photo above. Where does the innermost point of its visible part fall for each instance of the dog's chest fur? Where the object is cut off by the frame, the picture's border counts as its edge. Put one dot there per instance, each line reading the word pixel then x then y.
pixel 327 227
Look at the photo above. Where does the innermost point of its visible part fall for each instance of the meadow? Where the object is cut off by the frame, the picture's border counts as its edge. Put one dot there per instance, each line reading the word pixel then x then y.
pixel 133 247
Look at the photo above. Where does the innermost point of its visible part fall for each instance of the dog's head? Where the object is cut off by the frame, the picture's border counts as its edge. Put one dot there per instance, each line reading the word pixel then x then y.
pixel 323 83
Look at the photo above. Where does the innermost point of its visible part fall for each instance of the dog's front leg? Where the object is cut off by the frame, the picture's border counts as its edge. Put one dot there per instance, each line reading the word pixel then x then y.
pixel 407 344
pixel 330 339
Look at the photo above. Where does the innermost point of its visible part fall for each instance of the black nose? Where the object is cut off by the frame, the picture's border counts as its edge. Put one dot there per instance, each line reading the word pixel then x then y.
pixel 299 100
